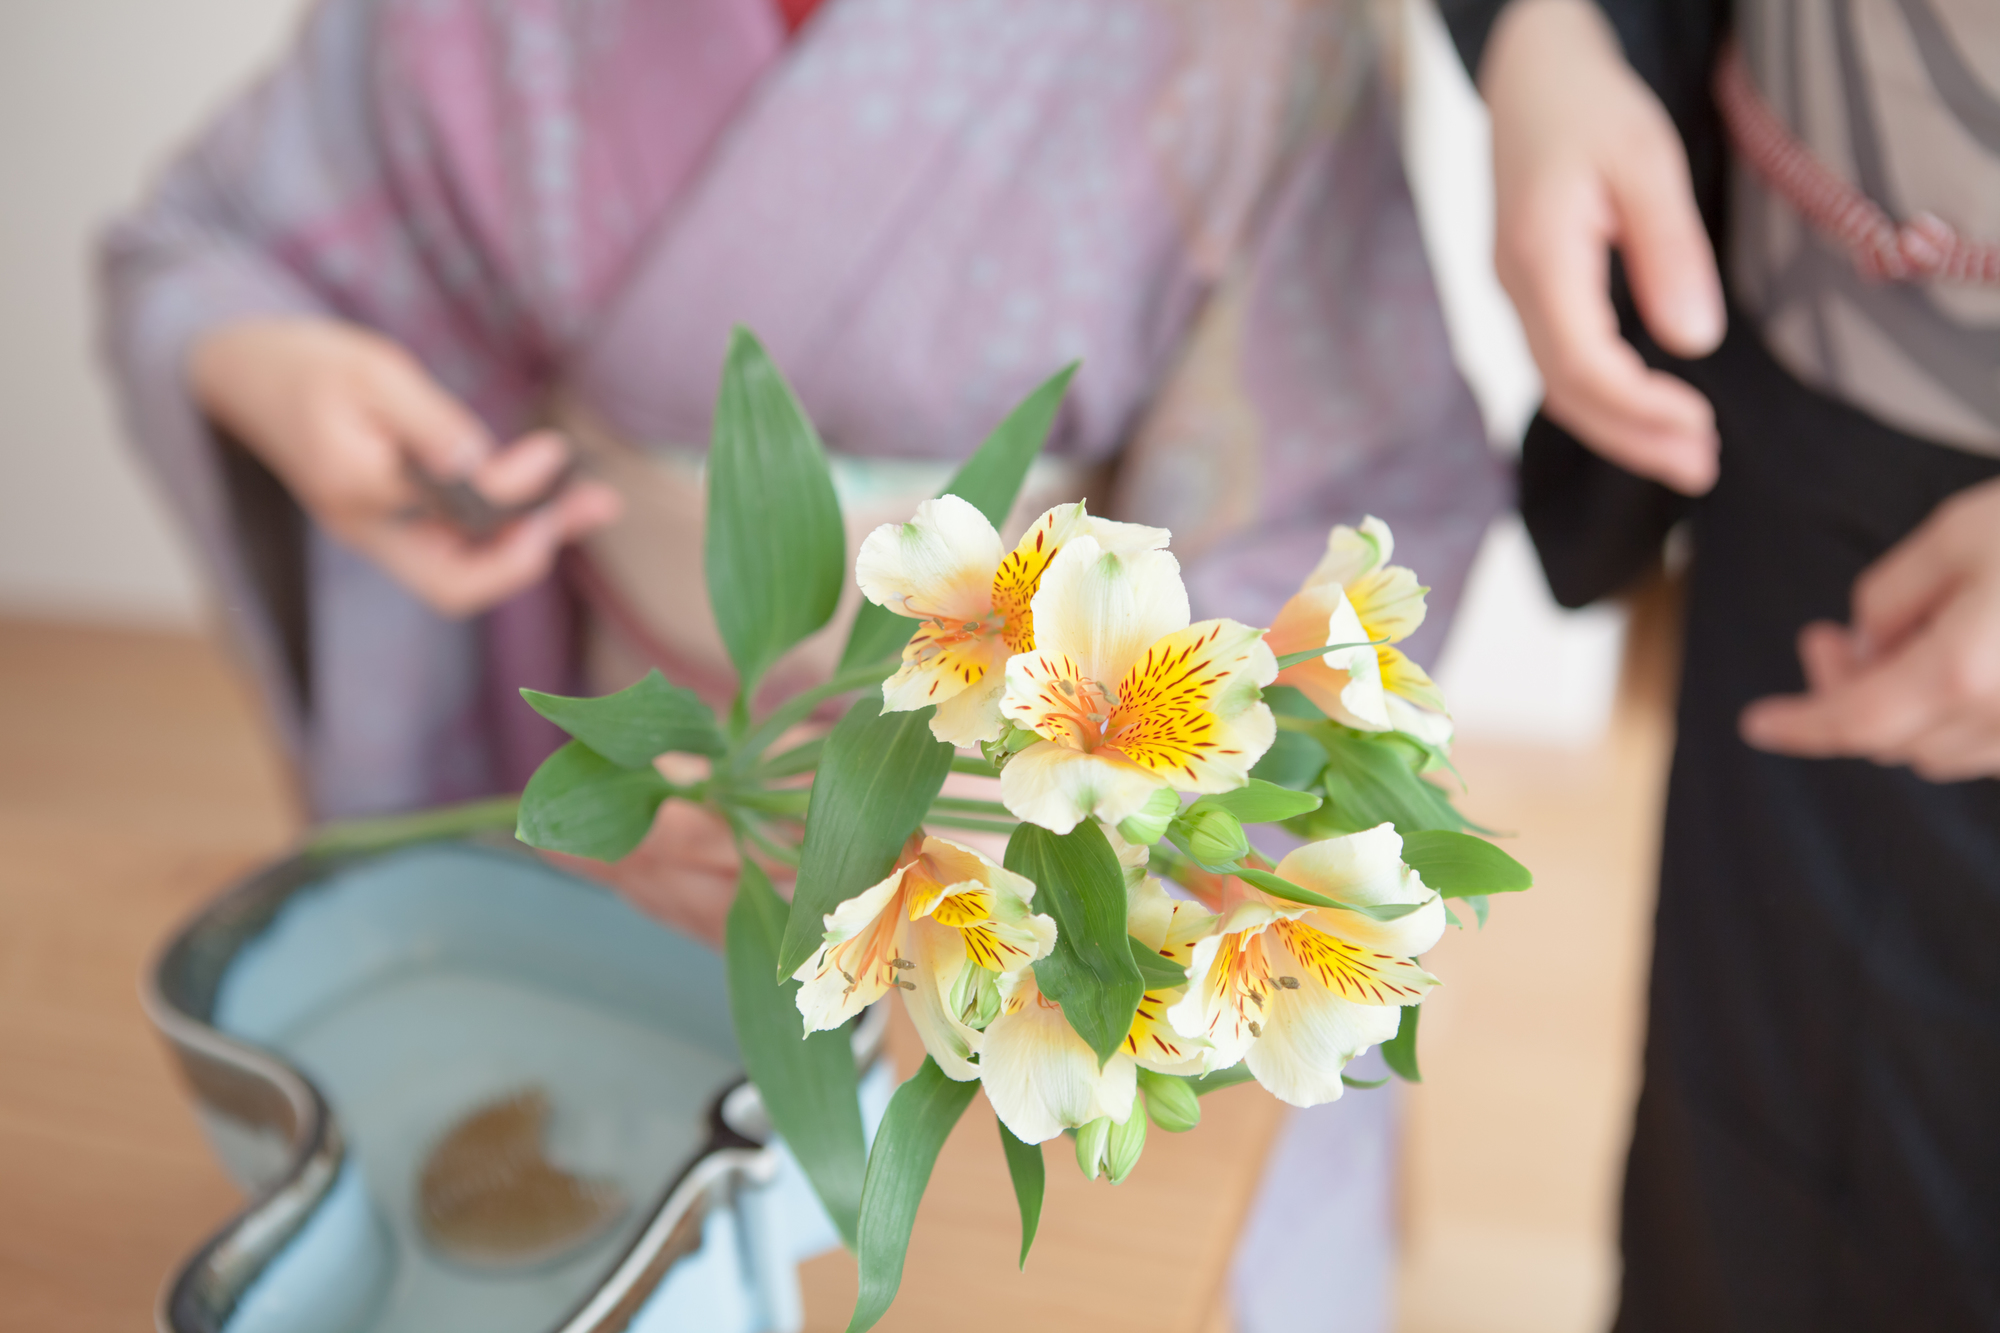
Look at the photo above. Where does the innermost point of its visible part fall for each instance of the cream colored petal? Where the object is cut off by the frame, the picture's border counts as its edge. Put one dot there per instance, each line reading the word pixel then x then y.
pixel 1153 1044
pixel 1308 1038
pixel 1359 703
pixel 1190 710
pixel 826 999
pixel 1192 923
pixel 1304 954
pixel 938 673
pixel 1216 1008
pixel 1367 868
pixel 1101 610
pixel 1040 1076
pixel 1389 601
pixel 1122 538
pixel 1303 621
pixel 1431 728
pixel 1403 677
pixel 971 715
pixel 1133 857
pixel 851 969
pixel 954 864
pixel 1058 788
pixel 1353 552
pixel 987 904
pixel 940 563
pixel 1318 615
pixel 1149 912
pixel 939 956
pixel 1042 695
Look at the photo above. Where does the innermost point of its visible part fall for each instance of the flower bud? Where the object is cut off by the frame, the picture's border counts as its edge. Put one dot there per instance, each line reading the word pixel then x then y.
pixel 1150 824
pixel 1009 743
pixel 976 997
pixel 1214 837
pixel 1127 1141
pixel 1090 1144
pixel 1170 1101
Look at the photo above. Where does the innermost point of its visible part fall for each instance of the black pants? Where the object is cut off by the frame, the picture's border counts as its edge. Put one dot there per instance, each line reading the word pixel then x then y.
pixel 1817 1144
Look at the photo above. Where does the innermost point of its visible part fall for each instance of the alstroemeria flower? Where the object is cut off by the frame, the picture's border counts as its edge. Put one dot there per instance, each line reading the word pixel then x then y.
pixel 1299 991
pixel 1171 927
pixel 1354 599
pixel 1126 696
pixel 943 928
pixel 1042 1078
pixel 946 568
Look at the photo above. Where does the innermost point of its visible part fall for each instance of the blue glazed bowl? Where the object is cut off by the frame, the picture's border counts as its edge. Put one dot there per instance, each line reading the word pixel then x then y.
pixel 336 1014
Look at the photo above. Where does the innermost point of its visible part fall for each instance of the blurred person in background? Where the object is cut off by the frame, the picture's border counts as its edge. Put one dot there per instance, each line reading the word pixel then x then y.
pixel 1805 334
pixel 442 228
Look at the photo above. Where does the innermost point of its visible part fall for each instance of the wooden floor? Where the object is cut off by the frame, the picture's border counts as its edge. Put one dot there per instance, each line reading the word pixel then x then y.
pixel 134 782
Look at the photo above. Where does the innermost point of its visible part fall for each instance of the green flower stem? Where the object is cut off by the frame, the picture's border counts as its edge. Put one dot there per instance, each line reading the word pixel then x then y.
pixel 800 707
pixel 783 853
pixel 790 763
pixel 368 835
pixel 960 805
pixel 971 825
pixel 973 764
pixel 786 802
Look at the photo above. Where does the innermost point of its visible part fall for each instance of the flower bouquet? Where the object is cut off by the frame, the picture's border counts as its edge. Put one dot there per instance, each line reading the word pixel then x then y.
pixel 1130 746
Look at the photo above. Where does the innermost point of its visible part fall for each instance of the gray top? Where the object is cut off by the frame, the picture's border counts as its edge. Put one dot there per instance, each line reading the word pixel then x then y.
pixel 1901 99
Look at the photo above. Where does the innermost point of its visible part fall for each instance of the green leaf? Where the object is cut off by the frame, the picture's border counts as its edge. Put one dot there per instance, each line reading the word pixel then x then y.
pixel 808 1082
pixel 776 552
pixel 1259 802
pixel 1400 1051
pixel 1459 865
pixel 1024 1164
pixel 990 481
pixel 378 832
pixel 1284 888
pixel 1091 973
pixel 1159 973
pixel 1364 1083
pixel 1308 654
pixel 1303 655
pixel 581 803
pixel 1294 760
pixel 1478 901
pixel 1222 1078
pixel 631 728
pixel 1372 778
pixel 1287 701
pixel 877 776
pixel 913 1131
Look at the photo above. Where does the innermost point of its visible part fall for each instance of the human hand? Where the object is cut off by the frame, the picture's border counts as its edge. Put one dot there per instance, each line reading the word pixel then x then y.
pixel 340 415
pixel 1916 679
pixel 1585 158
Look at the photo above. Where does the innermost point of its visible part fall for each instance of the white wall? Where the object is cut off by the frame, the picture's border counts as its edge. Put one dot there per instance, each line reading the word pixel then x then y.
pixel 93 95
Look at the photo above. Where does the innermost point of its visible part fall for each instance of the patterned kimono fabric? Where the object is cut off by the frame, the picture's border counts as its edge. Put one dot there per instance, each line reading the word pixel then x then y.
pixel 923 210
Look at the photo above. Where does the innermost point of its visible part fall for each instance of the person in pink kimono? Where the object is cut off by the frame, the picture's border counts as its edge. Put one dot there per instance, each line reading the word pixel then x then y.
pixel 441 227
